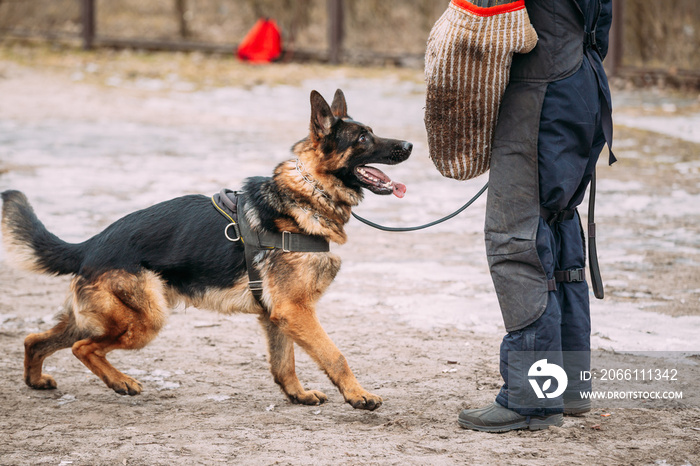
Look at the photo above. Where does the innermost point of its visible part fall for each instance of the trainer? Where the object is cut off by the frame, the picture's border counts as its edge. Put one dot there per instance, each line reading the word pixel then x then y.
pixel 554 119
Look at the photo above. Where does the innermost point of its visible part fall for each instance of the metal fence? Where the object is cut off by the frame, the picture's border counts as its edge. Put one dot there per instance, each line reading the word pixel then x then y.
pixel 334 30
pixel 648 37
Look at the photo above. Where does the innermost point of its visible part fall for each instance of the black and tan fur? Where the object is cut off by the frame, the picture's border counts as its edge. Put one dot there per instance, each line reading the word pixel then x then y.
pixel 127 277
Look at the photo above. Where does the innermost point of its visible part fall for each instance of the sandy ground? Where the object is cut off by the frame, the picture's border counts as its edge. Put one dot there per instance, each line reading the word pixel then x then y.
pixel 414 314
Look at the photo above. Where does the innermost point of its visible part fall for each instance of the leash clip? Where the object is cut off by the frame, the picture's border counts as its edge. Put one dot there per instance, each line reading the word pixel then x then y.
pixel 236 229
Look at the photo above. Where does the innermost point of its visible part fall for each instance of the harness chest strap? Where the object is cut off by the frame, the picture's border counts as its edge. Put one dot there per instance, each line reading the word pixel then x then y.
pixel 230 204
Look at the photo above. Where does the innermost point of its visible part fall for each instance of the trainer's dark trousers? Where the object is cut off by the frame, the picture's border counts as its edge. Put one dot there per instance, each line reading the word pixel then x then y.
pixel 569 142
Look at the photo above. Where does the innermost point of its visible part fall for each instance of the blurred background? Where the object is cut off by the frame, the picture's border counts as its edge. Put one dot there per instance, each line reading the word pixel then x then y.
pixel 652 42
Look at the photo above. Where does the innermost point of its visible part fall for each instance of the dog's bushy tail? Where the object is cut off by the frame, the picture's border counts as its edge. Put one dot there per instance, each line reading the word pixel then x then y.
pixel 29 245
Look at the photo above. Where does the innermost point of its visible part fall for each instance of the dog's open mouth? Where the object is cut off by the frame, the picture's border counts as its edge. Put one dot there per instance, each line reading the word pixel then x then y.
pixel 376 181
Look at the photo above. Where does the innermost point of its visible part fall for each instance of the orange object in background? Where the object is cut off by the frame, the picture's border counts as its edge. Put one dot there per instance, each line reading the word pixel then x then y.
pixel 262 44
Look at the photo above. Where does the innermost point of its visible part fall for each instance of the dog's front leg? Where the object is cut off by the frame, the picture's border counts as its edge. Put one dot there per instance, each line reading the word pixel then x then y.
pixel 301 324
pixel 281 349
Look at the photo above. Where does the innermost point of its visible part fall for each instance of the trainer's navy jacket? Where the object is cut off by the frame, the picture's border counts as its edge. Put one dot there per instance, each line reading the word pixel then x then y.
pixel 572 42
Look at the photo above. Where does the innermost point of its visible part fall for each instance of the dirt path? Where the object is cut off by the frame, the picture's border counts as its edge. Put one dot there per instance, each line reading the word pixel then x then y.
pixel 414 314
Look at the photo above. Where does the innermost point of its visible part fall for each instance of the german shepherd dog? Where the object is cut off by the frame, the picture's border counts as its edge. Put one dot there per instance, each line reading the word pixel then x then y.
pixel 127 277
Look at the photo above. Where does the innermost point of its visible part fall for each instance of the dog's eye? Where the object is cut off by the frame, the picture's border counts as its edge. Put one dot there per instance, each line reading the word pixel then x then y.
pixel 362 139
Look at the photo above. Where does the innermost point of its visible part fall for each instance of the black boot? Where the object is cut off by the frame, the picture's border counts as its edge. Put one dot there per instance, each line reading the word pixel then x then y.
pixel 496 418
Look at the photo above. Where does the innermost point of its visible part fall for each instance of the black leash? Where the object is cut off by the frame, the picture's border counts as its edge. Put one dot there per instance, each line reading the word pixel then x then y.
pixel 420 227
pixel 566 276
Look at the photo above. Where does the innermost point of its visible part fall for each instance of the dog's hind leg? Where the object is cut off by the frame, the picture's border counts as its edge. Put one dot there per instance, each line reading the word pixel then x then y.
pixel 129 310
pixel 92 353
pixel 281 350
pixel 39 346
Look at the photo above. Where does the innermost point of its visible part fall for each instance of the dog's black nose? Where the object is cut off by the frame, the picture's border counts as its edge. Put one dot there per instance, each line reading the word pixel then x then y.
pixel 407 146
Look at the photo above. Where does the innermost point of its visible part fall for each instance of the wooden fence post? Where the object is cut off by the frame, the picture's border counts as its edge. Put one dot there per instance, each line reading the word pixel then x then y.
pixel 335 30
pixel 87 12
pixel 181 11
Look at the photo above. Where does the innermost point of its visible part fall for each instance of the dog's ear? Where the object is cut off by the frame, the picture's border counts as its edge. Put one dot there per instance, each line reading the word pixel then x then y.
pixel 339 107
pixel 322 118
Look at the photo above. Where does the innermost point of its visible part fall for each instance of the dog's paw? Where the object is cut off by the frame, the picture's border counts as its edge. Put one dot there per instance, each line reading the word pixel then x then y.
pixel 45 382
pixel 365 401
pixel 310 397
pixel 127 386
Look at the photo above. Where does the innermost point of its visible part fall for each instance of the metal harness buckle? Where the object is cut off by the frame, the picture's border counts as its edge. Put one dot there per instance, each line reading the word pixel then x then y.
pixel 255 285
pixel 286 241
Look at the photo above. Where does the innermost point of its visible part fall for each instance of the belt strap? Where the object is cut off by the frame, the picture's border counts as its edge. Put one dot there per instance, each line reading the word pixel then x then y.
pixel 577 274
pixel 596 279
pixel 570 276
pixel 566 276
pixel 552 217
pixel 590 44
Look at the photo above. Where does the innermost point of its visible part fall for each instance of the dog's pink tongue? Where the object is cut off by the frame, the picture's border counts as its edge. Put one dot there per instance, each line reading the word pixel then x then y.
pixel 399 189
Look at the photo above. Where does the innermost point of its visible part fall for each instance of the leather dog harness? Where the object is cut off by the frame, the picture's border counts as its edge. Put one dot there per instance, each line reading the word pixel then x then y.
pixel 231 204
